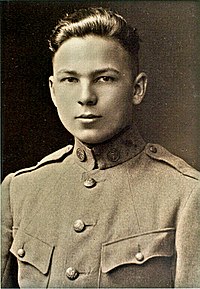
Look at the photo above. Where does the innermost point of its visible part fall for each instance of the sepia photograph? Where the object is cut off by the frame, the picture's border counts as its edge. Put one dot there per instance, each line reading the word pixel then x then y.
pixel 100 144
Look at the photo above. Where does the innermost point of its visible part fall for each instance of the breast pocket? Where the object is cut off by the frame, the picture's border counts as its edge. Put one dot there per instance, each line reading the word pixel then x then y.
pixel 34 257
pixel 145 260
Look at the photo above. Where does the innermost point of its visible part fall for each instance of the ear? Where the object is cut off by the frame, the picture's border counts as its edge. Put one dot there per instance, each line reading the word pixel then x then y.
pixel 52 91
pixel 140 85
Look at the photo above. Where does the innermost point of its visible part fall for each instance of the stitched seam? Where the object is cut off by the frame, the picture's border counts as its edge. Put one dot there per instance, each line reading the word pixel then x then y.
pixel 141 234
pixel 133 199
pixel 11 177
pixel 9 189
pixel 100 268
pixel 187 200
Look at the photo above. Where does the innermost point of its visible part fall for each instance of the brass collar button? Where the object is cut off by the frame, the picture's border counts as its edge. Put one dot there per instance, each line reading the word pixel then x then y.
pixel 128 142
pixel 81 154
pixel 21 253
pixel 153 149
pixel 79 226
pixel 89 183
pixel 139 256
pixel 72 273
pixel 113 155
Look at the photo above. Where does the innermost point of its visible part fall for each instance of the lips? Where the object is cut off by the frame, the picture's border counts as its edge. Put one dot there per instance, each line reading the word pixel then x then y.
pixel 88 116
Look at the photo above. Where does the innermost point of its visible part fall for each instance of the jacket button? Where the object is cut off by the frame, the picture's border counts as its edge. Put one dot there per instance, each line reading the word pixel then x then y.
pixel 21 253
pixel 139 256
pixel 81 154
pixel 90 183
pixel 153 149
pixel 79 226
pixel 72 273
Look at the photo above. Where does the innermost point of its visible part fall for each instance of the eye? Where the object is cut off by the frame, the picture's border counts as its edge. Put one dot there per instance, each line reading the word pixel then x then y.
pixel 70 79
pixel 105 79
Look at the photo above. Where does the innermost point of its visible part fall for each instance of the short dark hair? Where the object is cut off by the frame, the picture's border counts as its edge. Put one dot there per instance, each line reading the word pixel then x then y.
pixel 96 21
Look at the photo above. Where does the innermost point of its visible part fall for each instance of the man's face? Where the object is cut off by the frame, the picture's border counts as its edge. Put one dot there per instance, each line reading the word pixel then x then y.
pixel 92 87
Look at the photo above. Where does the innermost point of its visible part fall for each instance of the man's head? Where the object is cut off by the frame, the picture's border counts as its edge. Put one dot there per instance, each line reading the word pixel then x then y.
pixel 95 83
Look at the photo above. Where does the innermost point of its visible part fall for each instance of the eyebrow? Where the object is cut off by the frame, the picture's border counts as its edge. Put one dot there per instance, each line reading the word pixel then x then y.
pixel 72 72
pixel 108 69
pixel 95 72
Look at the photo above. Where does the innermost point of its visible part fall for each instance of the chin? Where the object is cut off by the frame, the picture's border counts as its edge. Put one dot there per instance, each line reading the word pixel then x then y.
pixel 93 138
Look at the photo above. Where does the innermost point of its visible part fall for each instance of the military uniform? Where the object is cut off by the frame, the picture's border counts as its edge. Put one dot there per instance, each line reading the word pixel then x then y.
pixel 121 214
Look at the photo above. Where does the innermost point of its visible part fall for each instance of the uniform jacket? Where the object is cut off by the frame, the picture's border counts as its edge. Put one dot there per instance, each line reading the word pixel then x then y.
pixel 121 214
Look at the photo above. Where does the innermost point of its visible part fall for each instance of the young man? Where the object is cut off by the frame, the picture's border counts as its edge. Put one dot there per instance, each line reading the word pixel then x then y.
pixel 111 211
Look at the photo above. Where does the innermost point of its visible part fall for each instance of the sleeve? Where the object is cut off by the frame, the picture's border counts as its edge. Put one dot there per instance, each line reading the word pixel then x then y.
pixel 188 243
pixel 8 261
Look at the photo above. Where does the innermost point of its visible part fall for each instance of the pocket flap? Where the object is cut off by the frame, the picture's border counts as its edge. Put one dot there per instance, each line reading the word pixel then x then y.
pixel 36 252
pixel 148 245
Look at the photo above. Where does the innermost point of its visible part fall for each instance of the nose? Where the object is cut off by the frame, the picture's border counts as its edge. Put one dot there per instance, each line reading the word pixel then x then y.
pixel 87 95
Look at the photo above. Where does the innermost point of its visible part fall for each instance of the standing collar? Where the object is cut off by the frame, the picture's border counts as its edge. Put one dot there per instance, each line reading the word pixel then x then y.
pixel 117 150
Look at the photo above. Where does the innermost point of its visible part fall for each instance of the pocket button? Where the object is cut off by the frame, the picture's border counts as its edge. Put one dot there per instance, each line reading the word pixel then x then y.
pixel 79 226
pixel 139 256
pixel 21 253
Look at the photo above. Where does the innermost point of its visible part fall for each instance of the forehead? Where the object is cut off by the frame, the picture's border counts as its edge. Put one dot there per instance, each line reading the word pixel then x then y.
pixel 89 52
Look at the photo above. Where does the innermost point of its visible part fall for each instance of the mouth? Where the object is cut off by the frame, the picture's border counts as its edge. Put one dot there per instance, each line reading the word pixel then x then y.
pixel 88 116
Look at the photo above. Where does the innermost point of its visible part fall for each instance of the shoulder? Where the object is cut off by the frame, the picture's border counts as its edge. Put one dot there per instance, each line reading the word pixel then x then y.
pixel 55 157
pixel 161 155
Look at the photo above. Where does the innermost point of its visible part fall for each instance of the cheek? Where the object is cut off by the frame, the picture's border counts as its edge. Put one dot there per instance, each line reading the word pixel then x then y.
pixel 63 104
pixel 123 102
pixel 125 109
pixel 64 107
pixel 63 101
pixel 65 94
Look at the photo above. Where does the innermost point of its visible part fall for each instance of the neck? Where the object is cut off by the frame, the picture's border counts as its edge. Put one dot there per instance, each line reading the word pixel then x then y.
pixel 120 148
pixel 121 132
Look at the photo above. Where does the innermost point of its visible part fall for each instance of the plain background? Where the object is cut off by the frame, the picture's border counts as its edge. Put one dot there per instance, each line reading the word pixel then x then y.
pixel 170 55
